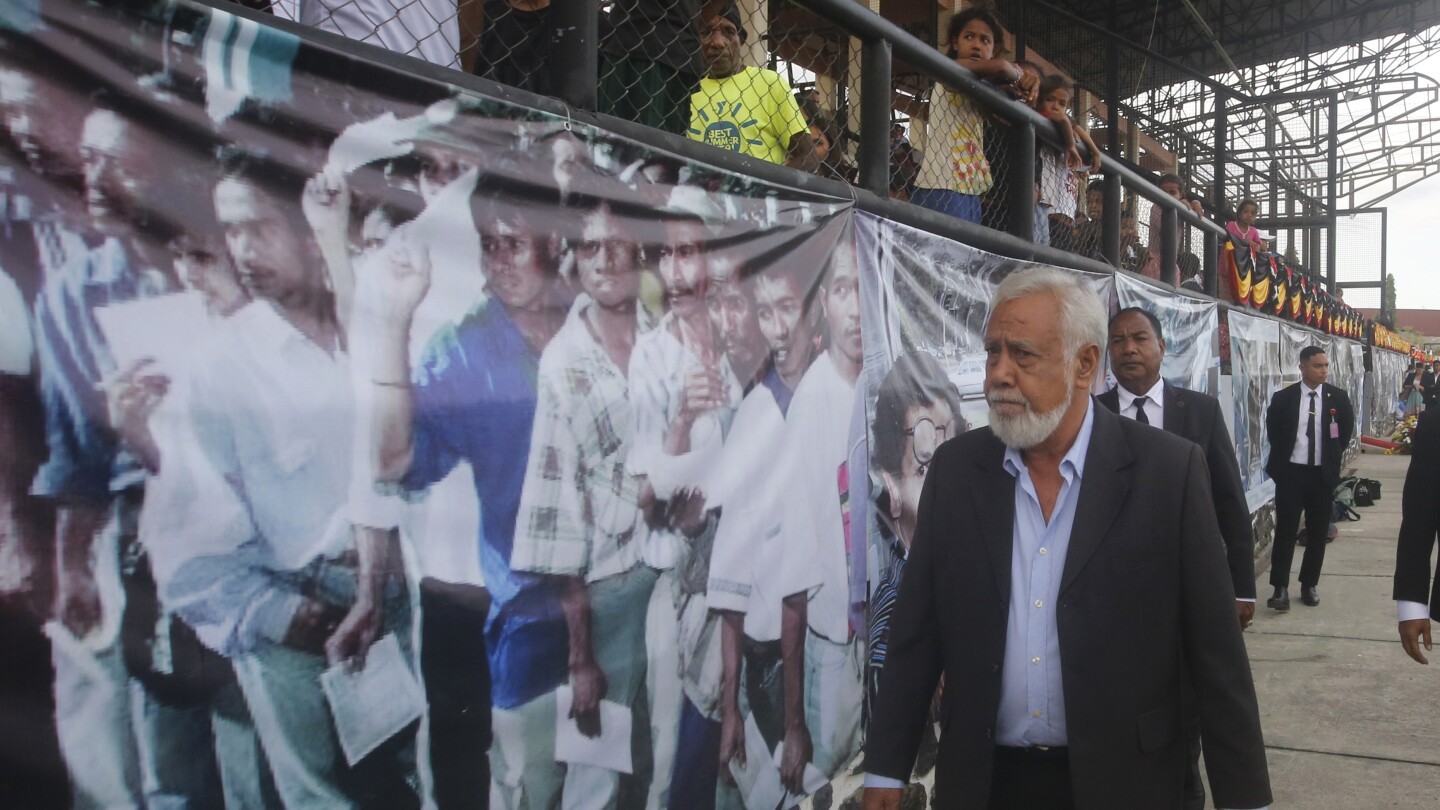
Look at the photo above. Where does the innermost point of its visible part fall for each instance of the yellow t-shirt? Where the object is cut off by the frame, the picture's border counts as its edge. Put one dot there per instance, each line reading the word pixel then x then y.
pixel 752 112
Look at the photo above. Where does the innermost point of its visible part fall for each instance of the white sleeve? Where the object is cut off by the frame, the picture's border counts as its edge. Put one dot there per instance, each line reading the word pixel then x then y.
pixel 1410 611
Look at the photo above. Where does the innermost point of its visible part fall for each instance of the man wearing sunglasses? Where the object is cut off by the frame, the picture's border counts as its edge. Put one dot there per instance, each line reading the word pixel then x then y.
pixel 1137 349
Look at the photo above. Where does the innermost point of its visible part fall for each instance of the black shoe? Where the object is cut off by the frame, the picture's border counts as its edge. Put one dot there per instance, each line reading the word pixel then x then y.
pixel 1309 595
pixel 1281 599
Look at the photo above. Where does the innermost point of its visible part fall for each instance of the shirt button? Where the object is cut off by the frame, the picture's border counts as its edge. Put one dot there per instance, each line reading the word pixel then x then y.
pixel 1038 712
pixel 1035 660
pixel 1043 552
pixel 1039 603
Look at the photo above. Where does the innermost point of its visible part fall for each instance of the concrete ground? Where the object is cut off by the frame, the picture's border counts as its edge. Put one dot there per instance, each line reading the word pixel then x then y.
pixel 1350 722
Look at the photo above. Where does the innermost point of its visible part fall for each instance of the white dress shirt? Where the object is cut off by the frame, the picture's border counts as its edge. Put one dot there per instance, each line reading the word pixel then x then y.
pixel 1154 405
pixel 1301 453
pixel 261 491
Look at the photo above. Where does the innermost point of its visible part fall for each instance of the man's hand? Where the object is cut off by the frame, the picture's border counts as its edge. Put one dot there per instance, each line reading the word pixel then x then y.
pixel 353 637
pixel 589 686
pixel 1411 634
pixel 732 742
pixel 685 511
pixel 402 280
pixel 130 398
pixel 798 753
pixel 882 798
pixel 703 392
pixel 77 600
pixel 312 625
pixel 1246 612
pixel 326 205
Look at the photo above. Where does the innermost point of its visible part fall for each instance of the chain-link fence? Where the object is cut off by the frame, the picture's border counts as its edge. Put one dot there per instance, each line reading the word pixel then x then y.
pixel 780 82
pixel 1360 250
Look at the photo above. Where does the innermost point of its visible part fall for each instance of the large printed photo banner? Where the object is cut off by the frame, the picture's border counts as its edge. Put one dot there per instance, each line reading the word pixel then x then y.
pixel 1191 329
pixel 1255 377
pixel 360 400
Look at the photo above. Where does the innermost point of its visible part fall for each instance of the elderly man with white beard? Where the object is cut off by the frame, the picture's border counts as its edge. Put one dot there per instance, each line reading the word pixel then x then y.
pixel 1066 574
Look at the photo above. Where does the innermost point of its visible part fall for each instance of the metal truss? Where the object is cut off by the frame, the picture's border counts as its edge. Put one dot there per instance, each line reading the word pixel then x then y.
pixel 1275 67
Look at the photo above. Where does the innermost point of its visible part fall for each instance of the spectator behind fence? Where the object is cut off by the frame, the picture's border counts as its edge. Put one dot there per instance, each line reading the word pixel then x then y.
pixel 429 29
pixel 829 139
pixel 1089 236
pixel 1170 184
pixel 515 46
pixel 746 109
pixel 955 172
pixel 1242 229
pixel 904 169
pixel 650 61
pixel 1190 277
pixel 1060 173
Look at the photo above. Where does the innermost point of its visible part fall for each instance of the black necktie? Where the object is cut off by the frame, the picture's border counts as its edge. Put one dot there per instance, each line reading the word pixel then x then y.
pixel 1140 410
pixel 1310 429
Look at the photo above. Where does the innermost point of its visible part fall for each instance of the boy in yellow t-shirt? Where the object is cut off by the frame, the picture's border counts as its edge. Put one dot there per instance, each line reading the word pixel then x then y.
pixel 746 109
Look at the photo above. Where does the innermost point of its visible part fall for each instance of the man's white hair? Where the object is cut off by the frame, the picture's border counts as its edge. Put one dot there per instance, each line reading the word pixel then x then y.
pixel 1082 317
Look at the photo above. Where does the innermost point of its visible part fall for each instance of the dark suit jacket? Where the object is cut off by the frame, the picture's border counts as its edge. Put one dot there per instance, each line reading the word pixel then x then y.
pixel 1197 417
pixel 1145 593
pixel 1420 518
pixel 1283 418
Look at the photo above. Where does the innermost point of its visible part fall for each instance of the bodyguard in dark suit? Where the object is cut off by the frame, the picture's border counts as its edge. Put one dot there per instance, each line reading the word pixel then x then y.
pixel 1419 524
pixel 1067 567
pixel 1137 349
pixel 1309 425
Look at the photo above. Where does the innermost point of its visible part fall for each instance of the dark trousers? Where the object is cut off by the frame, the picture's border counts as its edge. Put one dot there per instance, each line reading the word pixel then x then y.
pixel 1031 779
pixel 457 687
pixel 1300 489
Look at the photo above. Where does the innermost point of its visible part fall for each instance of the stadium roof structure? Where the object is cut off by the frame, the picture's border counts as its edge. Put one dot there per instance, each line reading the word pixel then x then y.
pixel 1277 66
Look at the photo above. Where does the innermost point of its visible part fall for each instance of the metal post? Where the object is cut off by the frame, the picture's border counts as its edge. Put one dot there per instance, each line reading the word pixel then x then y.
pixel 1384 240
pixel 1222 155
pixel 1022 181
pixel 1020 31
pixel 1332 195
pixel 1169 245
pixel 1212 264
pixel 875 89
pixel 575 29
pixel 1112 215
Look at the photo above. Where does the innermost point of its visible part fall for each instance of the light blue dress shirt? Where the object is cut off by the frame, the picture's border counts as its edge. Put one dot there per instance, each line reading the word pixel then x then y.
pixel 1032 697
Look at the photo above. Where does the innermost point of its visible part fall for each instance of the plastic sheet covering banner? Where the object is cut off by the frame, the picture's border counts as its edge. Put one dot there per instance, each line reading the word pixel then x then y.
pixel 1387 369
pixel 1347 371
pixel 406 447
pixel 1256 376
pixel 1293 340
pixel 1191 328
